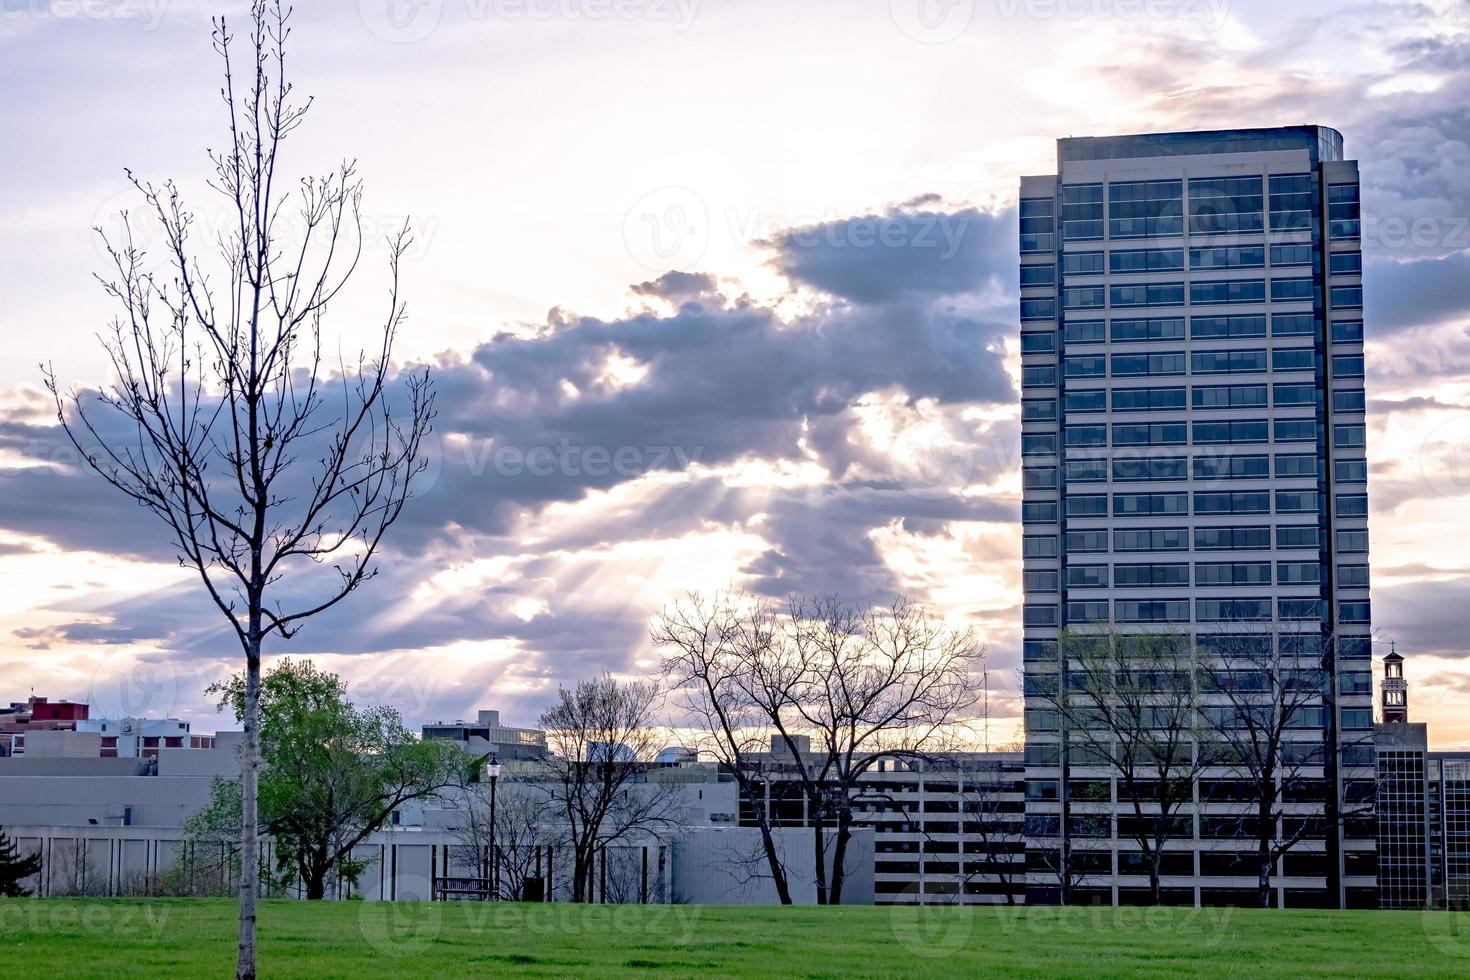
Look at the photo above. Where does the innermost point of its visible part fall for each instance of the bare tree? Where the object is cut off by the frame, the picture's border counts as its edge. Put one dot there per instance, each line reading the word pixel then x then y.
pixel 711 649
pixel 221 418
pixel 509 851
pixel 1128 704
pixel 1267 699
pixel 862 683
pixel 602 740
pixel 985 820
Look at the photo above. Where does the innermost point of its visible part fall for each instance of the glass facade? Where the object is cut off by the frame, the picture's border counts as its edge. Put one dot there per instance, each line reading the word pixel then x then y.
pixel 1206 383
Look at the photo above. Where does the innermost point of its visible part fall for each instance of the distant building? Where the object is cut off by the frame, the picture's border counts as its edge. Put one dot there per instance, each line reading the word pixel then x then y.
pixel 64 728
pixel 486 736
pixel 1423 809
pixel 36 714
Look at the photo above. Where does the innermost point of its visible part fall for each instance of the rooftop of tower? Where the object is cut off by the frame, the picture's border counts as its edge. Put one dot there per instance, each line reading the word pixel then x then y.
pixel 1323 142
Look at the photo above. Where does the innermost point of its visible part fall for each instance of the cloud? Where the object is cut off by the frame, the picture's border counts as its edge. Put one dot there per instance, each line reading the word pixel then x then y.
pixel 585 448
pixel 881 258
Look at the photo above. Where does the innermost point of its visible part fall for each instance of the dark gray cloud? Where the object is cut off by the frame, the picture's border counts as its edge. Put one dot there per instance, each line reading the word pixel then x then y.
pixel 880 258
pixel 1400 295
pixel 677 285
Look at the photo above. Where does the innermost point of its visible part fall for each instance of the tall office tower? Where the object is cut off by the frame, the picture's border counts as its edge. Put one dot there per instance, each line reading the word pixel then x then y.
pixel 1193 463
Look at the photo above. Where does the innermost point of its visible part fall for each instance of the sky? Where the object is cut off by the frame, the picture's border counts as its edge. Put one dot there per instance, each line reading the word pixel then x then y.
pixel 718 294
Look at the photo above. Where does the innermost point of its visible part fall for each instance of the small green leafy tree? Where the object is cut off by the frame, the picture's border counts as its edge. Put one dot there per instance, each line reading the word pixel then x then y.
pixel 333 773
pixel 15 868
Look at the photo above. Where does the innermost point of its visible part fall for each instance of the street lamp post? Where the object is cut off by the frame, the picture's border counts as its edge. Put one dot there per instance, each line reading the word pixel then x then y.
pixel 494 770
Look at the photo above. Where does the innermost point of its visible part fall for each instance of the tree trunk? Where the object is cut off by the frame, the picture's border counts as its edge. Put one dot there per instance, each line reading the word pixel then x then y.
pixel 316 886
pixel 249 825
pixel 1265 831
pixel 768 841
pixel 819 851
pixel 839 858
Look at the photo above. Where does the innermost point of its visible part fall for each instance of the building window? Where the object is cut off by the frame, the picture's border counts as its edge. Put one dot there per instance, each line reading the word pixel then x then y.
pixel 1225 204
pixel 1038 342
pixel 1042 308
pixel 1294 359
pixel 1084 331
pixel 1038 225
pixel 1223 291
pixel 1229 257
pixel 1297 465
pixel 1349 436
pixel 1082 264
pixel 1291 202
pixel 1038 275
pixel 1147 294
pixel 1228 362
pixel 1289 255
pixel 1082 212
pixel 1145 208
pixel 1220 327
pixel 1292 325
pixel 1122 261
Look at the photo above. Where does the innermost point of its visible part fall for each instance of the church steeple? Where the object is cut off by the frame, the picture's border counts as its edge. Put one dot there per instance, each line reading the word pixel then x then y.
pixel 1395 690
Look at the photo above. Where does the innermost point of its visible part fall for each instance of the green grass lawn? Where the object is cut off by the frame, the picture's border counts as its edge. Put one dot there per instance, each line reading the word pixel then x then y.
pixel 178 938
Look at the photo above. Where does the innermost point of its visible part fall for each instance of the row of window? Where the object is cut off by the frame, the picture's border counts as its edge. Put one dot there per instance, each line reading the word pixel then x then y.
pixel 1205 502
pixel 1166 539
pixel 1243 432
pixel 1281 394
pixel 1169 574
pixel 1205 467
pixel 1141 260
pixel 1143 329
pixel 1216 292
pixel 1178 363
pixel 1215 610
pixel 1217 205
pixel 1294 644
